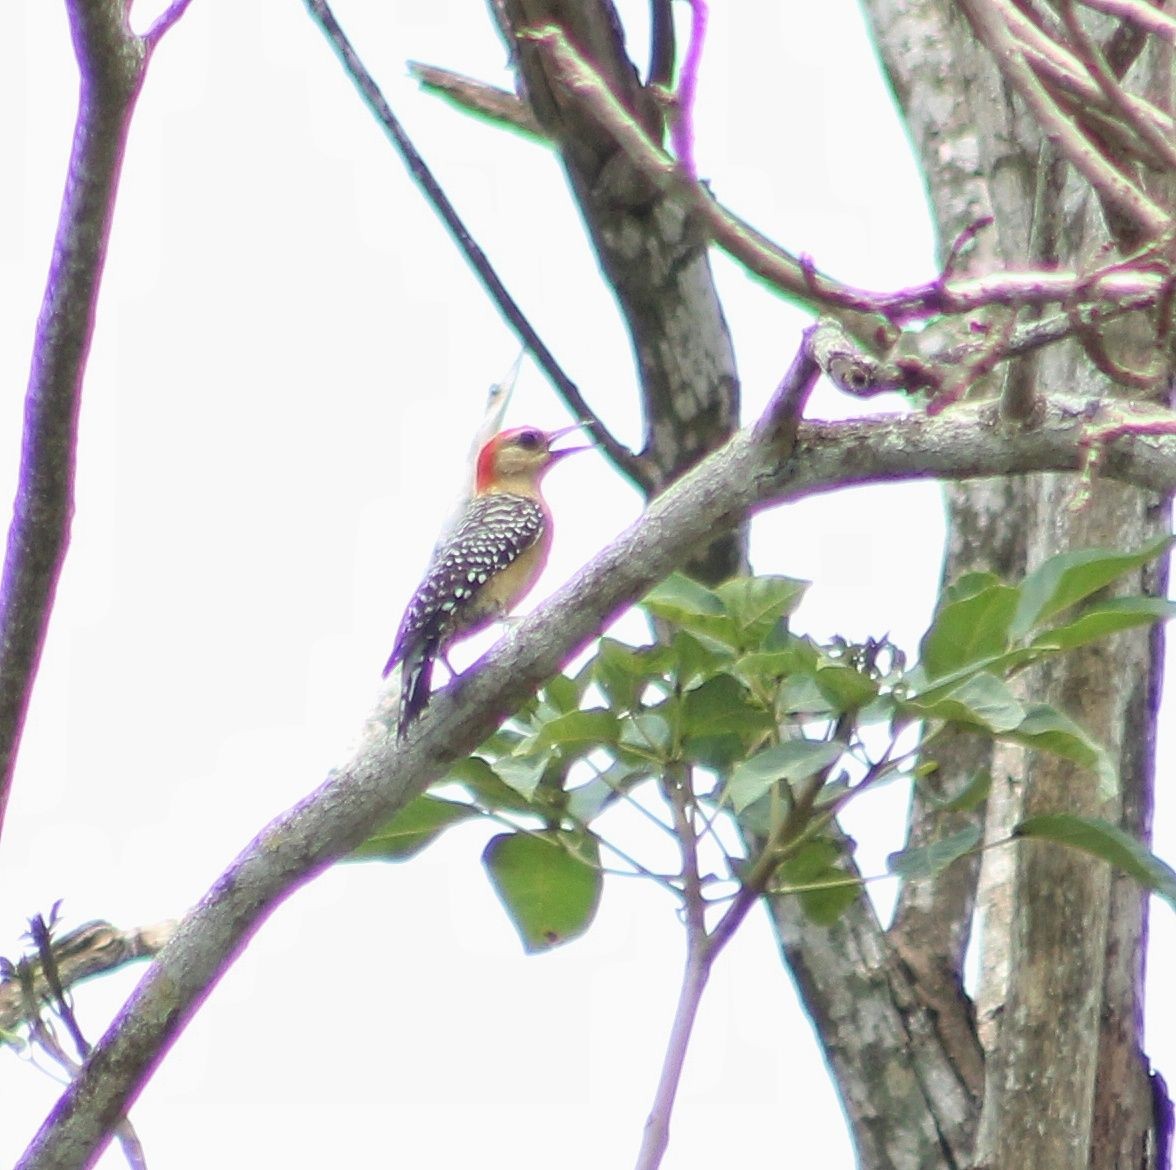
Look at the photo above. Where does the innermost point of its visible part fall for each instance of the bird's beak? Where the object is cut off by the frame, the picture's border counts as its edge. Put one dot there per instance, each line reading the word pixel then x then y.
pixel 553 435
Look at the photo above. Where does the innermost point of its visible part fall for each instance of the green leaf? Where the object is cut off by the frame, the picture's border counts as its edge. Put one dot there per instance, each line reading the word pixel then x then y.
pixel 486 786
pixel 644 737
pixel 625 672
pixel 1110 842
pixel 588 800
pixel 504 741
pixel 562 693
pixel 846 688
pixel 717 752
pixel 815 865
pixel 417 824
pixel 522 774
pixel 1049 730
pixel 973 794
pixel 1099 621
pixel 720 706
pixel 759 604
pixel 550 894
pixel 924 861
pixel 641 662
pixel 616 674
pixel 801 696
pixel 799 656
pixel 1000 665
pixel 795 759
pixel 969 584
pixel 685 595
pixel 685 603
pixel 693 660
pixel 982 701
pixel 1069 577
pixel 969 629
pixel 578 731
pixel 823 906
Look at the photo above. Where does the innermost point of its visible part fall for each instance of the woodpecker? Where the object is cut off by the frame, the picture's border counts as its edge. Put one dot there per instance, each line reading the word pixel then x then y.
pixel 486 565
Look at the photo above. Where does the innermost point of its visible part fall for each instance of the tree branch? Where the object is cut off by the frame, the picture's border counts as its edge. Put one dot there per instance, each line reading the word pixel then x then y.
pixel 682 118
pixel 988 23
pixel 655 1138
pixel 164 21
pixel 1143 279
pixel 629 464
pixel 1095 296
pixel 1138 12
pixel 384 772
pixel 656 263
pixel 663 49
pixel 1064 74
pixel 112 63
pixel 1099 68
pixel 478 97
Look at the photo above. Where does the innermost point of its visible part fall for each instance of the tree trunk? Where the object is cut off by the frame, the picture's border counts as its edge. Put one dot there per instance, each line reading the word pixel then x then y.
pixel 1041 1065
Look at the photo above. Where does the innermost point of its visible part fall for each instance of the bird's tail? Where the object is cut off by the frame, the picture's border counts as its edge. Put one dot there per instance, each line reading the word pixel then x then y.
pixel 416 678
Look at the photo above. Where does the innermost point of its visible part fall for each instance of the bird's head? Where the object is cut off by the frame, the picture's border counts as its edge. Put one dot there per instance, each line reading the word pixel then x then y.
pixel 515 460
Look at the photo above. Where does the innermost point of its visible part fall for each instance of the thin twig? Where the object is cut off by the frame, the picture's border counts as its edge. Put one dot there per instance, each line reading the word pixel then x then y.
pixel 1059 68
pixel 1138 12
pixel 963 243
pixel 682 117
pixel 42 938
pixel 800 278
pixel 625 460
pixel 988 22
pixel 163 22
pixel 1094 346
pixel 656 1135
pixel 662 46
pixel 487 101
pixel 1113 291
pixel 779 422
pixel 1098 67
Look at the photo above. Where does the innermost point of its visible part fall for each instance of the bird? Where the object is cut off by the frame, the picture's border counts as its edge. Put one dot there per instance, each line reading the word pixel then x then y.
pixel 487 563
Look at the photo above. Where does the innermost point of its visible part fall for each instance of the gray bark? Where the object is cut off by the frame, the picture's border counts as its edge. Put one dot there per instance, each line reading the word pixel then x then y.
pixel 1060 1004
pixel 925 1080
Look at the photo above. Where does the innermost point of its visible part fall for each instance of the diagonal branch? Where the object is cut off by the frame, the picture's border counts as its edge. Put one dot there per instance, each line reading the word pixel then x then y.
pixel 1108 292
pixel 1144 278
pixel 1138 12
pixel 625 460
pixel 991 30
pixel 656 264
pixel 112 63
pixel 1061 71
pixel 384 773
pixel 1100 69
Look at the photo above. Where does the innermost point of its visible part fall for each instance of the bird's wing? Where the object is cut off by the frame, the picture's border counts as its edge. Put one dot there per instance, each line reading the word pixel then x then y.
pixel 495 531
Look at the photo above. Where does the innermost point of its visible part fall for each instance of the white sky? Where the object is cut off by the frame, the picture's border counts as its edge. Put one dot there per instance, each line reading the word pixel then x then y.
pixel 289 359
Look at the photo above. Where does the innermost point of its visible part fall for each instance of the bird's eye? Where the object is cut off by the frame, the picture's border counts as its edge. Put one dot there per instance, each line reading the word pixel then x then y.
pixel 530 440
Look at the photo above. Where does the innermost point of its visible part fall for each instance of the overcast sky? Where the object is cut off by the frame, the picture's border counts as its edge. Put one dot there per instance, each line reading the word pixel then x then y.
pixel 289 360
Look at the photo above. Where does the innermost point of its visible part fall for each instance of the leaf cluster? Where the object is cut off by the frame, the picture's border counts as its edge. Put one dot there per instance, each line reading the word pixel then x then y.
pixel 746 725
